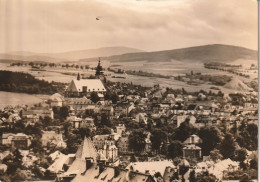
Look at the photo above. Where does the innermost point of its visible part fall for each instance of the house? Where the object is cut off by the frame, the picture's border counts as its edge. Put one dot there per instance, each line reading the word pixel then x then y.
pixel 100 141
pixel 19 140
pixel 76 122
pixel 141 117
pixel 85 155
pixel 152 168
pixel 56 100
pixel 40 112
pixel 193 139
pixel 108 110
pixel 84 87
pixel 123 144
pixel 79 104
pixel 109 152
pixel 53 138
pixel 99 172
pixel 124 108
pixel 218 169
pixel 120 129
pixel 191 151
pixel 88 123
pixel 13 118
pixel 61 162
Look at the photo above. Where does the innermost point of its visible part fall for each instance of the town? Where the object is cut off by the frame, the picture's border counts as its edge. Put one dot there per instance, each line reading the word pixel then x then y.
pixel 98 130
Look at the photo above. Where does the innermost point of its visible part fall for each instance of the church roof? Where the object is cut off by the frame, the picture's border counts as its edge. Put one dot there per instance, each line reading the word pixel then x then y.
pixel 91 84
pixel 86 150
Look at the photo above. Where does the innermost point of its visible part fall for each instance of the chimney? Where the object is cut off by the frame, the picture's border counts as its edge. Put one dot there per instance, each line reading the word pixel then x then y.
pixel 101 168
pixel 116 172
pixel 89 163
pixel 78 77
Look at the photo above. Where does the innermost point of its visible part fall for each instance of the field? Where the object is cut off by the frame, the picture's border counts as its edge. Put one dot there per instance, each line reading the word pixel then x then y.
pixel 12 99
pixel 173 68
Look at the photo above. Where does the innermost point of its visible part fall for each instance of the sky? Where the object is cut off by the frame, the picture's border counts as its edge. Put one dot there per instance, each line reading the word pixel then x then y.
pixel 48 26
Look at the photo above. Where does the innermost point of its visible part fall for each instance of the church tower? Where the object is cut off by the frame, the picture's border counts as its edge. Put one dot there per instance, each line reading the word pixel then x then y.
pixel 78 77
pixel 99 71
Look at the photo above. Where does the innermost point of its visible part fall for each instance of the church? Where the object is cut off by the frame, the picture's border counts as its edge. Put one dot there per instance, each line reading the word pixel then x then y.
pixel 84 87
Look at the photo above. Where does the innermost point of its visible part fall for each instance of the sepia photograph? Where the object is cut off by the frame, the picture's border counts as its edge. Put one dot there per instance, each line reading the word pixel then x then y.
pixel 129 90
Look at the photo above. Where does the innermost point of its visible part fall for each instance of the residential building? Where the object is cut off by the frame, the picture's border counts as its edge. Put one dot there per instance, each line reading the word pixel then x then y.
pixel 53 138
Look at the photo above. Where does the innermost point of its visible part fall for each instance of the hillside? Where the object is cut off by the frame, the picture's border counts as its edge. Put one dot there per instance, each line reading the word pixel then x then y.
pixel 237 84
pixel 207 53
pixel 26 83
pixel 94 53
pixel 37 57
pixel 67 56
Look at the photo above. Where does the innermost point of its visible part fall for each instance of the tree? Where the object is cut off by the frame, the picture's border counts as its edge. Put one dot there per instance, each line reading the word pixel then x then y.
pixel 94 97
pixel 64 112
pixel 36 145
pixel 13 161
pixel 183 132
pixel 227 146
pixel 17 157
pixel 253 132
pixel 245 178
pixel 215 155
pixel 114 98
pixel 210 139
pixel 105 120
pixel 137 140
pixel 241 155
pixel 174 149
pixel 206 177
pixel 157 137
pixel 46 121
pixel 192 177
pixel 19 175
pixel 253 164
pixel 85 132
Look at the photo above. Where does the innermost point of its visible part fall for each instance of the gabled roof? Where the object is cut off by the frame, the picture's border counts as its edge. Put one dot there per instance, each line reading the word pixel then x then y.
pixel 91 84
pixel 152 167
pixel 86 150
pixel 191 147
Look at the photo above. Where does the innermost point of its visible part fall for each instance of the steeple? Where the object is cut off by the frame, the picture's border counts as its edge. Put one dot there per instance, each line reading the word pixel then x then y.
pixel 99 68
pixel 78 77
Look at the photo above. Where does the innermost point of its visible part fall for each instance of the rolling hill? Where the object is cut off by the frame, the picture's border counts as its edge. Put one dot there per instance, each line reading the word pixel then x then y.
pixel 68 56
pixel 206 53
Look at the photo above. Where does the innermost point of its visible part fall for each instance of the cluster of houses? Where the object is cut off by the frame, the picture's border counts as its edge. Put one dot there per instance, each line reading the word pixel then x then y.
pixel 98 159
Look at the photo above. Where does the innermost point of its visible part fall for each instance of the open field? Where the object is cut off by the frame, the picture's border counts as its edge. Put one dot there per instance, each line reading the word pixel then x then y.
pixel 13 99
pixel 172 68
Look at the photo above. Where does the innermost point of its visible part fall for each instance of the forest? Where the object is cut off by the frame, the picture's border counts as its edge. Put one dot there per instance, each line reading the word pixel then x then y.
pixel 26 83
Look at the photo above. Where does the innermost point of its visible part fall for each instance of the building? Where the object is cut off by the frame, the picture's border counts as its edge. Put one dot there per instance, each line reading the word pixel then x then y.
pixel 120 129
pixel 53 138
pixel 153 167
pixel 109 152
pixel 101 140
pixel 56 100
pixel 85 156
pixel 33 113
pixel 19 140
pixel 193 139
pixel 123 144
pixel 84 87
pixel 192 152
pixel 76 122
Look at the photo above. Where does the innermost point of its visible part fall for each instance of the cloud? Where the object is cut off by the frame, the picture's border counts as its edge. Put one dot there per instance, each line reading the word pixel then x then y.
pixel 63 25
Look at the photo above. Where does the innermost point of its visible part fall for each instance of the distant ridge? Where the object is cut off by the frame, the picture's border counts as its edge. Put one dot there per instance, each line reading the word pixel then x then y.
pixel 94 53
pixel 206 53
pixel 68 56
